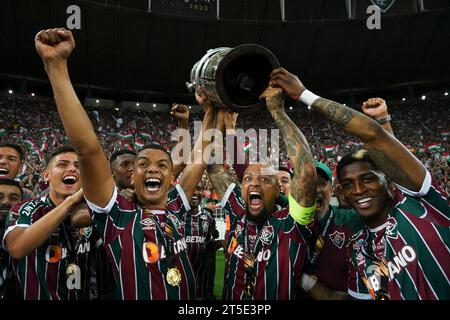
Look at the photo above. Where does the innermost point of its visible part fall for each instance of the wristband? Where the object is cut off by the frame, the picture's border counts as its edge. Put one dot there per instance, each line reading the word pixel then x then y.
pixel 301 215
pixel 308 97
pixel 384 119
pixel 307 282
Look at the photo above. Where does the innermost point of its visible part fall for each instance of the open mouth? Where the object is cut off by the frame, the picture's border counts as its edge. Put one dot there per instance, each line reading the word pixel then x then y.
pixel 194 198
pixel 364 203
pixel 255 200
pixel 3 172
pixel 69 180
pixel 319 202
pixel 153 184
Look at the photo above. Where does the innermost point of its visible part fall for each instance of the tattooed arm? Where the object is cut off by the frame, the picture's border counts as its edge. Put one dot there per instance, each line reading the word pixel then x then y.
pixel 388 153
pixel 220 179
pixel 303 187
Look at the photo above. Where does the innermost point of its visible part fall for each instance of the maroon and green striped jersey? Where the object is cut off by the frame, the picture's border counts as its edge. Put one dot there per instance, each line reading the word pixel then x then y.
pixel 279 248
pixel 334 231
pixel 43 274
pixel 415 241
pixel 199 228
pixel 137 248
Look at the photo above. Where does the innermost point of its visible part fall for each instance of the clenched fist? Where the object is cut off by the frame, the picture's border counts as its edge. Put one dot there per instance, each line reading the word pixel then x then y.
pixel 54 45
pixel 375 108
pixel 180 112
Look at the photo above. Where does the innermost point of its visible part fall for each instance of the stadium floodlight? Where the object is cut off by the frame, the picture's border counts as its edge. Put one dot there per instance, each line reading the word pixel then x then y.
pixel 10 91
pixel 117 109
pixel 190 107
pixel 446 94
pixel 403 99
pixel 154 105
pixel 309 107
pixel 137 104
pixel 290 108
pixel 32 94
pixel 424 97
pixel 97 101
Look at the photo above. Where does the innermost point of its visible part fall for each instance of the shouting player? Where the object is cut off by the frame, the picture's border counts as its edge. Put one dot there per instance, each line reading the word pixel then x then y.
pixel 266 246
pixel 144 238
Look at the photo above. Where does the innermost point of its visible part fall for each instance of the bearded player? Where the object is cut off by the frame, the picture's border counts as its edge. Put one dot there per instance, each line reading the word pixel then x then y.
pixel 266 244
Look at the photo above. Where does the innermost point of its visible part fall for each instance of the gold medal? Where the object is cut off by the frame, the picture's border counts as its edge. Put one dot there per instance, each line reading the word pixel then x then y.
pixel 71 269
pixel 173 277
pixel 249 288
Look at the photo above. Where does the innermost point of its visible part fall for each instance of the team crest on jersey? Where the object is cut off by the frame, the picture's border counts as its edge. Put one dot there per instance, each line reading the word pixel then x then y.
pixel 384 5
pixel 338 239
pixel 85 232
pixel 175 220
pixel 148 224
pixel 266 234
pixel 392 228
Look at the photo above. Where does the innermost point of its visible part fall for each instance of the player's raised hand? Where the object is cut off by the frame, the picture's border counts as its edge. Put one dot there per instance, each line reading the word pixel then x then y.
pixel 290 83
pixel 375 108
pixel 180 112
pixel 54 45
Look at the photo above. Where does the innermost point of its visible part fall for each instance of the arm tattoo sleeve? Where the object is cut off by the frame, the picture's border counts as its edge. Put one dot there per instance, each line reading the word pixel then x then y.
pixel 303 187
pixel 220 180
pixel 389 168
pixel 335 112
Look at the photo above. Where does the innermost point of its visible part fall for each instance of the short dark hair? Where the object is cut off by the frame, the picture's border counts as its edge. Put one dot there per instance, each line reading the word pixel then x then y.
pixel 119 153
pixel 57 151
pixel 360 155
pixel 291 173
pixel 11 182
pixel 156 146
pixel 15 147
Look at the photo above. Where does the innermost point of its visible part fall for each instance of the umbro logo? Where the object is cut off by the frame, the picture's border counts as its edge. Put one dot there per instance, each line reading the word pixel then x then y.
pixel 148 224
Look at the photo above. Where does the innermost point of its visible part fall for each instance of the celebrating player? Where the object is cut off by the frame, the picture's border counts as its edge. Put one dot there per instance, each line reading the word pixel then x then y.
pixel 266 247
pixel 144 238
pixel 403 250
pixel 51 259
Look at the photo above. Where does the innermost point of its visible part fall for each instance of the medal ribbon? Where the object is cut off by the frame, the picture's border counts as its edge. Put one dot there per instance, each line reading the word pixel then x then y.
pixel 251 255
pixel 377 283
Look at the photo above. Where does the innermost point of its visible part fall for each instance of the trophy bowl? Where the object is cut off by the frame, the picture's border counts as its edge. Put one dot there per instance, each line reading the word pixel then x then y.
pixel 234 78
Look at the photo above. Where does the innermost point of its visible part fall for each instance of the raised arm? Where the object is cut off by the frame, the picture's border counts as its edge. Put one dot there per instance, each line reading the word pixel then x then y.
pixel 390 155
pixel 55 46
pixel 220 179
pixel 194 170
pixel 303 188
pixel 181 113
pixel 377 109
